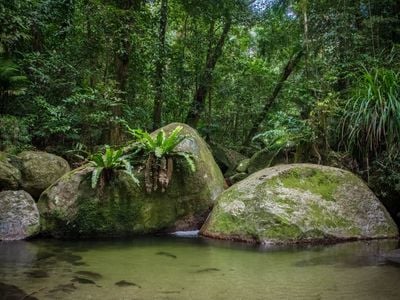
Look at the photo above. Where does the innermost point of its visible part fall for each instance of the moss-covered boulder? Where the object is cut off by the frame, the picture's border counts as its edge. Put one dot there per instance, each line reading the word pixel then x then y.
pixel 226 158
pixel 243 166
pixel 19 216
pixel 10 175
pixel 39 170
pixel 266 158
pixel 297 203
pixel 71 208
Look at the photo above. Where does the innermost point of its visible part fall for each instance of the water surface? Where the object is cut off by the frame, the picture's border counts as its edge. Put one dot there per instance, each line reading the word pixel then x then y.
pixel 183 268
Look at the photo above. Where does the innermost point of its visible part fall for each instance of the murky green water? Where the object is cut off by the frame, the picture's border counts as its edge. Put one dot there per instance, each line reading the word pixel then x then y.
pixel 176 268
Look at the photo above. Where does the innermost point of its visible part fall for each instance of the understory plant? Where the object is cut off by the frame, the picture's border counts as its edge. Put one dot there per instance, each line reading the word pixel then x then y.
pixel 371 119
pixel 160 152
pixel 105 164
pixel 285 138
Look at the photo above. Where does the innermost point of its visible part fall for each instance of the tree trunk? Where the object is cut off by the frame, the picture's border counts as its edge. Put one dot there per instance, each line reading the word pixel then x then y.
pixel 290 66
pixel 213 54
pixel 121 69
pixel 160 66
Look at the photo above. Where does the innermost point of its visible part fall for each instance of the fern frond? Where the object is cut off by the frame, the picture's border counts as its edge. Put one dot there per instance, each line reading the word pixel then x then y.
pixel 189 160
pixel 96 175
pixel 129 170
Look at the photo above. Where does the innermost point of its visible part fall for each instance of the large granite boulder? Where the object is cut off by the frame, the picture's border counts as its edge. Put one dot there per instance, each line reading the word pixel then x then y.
pixel 71 208
pixel 298 203
pixel 10 175
pixel 226 158
pixel 39 170
pixel 19 216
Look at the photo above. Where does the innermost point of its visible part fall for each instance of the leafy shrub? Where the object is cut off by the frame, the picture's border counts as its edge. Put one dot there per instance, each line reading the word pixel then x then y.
pixel 14 134
pixel 371 120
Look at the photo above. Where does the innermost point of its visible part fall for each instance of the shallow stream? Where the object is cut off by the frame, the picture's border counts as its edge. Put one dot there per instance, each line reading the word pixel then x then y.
pixel 194 268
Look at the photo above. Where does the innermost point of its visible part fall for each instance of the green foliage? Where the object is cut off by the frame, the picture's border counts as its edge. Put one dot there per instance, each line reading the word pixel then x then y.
pixel 288 132
pixel 14 134
pixel 371 120
pixel 162 145
pixel 75 77
pixel 160 151
pixel 12 82
pixel 105 163
pixel 385 181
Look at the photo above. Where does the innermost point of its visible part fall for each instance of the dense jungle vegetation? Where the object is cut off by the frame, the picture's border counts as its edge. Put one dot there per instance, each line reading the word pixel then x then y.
pixel 316 80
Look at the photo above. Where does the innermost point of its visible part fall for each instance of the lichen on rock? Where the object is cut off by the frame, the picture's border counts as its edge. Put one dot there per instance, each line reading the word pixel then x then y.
pixel 19 216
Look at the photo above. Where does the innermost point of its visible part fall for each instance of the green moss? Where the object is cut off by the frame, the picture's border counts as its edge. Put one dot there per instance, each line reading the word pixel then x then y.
pixel 318 182
pixel 225 223
pixel 109 217
pixel 320 217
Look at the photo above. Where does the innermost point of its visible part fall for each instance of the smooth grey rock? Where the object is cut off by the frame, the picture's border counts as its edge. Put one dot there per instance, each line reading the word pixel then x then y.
pixel 19 216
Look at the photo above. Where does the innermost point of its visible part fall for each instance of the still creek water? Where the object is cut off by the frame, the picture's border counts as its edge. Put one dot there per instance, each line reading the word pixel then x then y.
pixel 182 268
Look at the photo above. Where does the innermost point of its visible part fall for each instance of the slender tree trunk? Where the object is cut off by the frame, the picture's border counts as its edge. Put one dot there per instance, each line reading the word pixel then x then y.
pixel 290 66
pixel 213 54
pixel 160 67
pixel 121 59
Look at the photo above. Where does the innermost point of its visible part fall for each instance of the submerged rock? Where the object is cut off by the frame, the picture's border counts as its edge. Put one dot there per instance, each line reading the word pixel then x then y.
pixel 124 283
pixel 82 280
pixel 39 170
pixel 392 256
pixel 297 203
pixel 167 254
pixel 70 207
pixel 92 275
pixel 19 216
pixel 11 292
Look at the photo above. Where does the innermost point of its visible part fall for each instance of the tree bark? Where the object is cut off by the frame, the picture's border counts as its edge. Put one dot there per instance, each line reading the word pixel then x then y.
pixel 290 66
pixel 160 67
pixel 213 54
